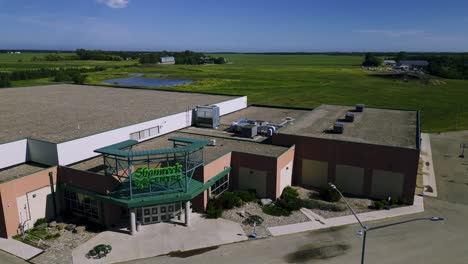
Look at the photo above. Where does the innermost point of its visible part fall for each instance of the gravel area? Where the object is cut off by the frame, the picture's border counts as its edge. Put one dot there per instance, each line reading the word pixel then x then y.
pixel 60 250
pixel 360 205
pixel 256 209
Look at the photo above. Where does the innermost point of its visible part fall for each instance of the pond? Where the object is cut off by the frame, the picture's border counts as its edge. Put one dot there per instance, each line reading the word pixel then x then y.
pixel 137 80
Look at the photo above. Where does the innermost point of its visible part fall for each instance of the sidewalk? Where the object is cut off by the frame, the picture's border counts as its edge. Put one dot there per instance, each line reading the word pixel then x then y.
pixel 428 171
pixel 315 222
pixel 162 238
pixel 18 248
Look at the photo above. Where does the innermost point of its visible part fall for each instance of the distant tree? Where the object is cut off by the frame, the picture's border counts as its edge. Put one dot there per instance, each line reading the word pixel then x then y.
pixel 370 60
pixel 402 55
pixel 78 78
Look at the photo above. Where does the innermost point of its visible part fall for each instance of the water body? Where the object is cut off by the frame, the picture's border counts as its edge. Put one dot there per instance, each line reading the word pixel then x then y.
pixel 137 80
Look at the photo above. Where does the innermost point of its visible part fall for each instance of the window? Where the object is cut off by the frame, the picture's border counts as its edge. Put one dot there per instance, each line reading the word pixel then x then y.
pixel 220 186
pixel 146 133
pixel 82 204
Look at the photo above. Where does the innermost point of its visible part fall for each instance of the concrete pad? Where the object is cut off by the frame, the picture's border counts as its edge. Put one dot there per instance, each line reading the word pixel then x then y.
pixel 162 238
pixel 417 207
pixel 18 248
pixel 428 171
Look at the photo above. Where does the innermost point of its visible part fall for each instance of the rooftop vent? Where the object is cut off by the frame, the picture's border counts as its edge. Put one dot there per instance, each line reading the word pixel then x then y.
pixel 349 117
pixel 338 128
pixel 359 107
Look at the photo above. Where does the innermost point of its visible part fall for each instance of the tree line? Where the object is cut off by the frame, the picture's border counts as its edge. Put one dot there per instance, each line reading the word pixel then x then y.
pixel 60 75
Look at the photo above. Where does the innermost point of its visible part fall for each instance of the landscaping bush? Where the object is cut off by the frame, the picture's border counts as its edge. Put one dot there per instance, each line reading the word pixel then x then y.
pixel 99 251
pixel 213 210
pixel 315 204
pixel 229 200
pixel 275 210
pixel 380 204
pixel 289 199
pixel 330 195
pixel 253 219
pixel 40 221
pixel 246 196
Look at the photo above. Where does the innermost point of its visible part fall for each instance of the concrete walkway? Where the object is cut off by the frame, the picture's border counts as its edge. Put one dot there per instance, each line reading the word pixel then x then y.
pixel 319 222
pixel 162 238
pixel 428 170
pixel 18 248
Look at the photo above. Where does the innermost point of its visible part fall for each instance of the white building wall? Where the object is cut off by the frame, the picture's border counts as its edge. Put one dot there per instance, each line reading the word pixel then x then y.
pixel 233 105
pixel 13 153
pixel 83 148
pixel 42 152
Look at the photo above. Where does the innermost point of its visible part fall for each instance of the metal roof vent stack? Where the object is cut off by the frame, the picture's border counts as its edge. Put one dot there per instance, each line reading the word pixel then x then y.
pixel 338 128
pixel 212 142
pixel 360 107
pixel 349 117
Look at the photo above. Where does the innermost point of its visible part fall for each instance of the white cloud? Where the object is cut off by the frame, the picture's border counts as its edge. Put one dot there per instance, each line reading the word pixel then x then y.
pixel 115 3
pixel 391 33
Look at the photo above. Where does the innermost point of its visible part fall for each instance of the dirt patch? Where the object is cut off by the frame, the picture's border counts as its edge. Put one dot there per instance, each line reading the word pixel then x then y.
pixel 235 215
pixel 190 253
pixel 311 252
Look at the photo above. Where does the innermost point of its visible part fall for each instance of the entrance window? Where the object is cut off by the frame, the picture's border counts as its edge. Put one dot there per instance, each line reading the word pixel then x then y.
pixel 81 204
pixel 220 186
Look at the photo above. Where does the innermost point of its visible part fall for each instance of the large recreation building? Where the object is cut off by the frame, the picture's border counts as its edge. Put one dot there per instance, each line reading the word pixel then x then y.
pixel 119 156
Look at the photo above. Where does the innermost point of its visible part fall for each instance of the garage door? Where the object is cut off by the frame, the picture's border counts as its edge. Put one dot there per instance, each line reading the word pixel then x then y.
pixel 350 179
pixel 387 183
pixel 314 173
pixel 253 179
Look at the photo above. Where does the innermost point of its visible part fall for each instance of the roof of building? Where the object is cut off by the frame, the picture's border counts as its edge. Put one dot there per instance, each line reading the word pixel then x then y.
pixel 374 125
pixel 270 114
pixel 20 170
pixel 211 153
pixel 58 113
pixel 413 62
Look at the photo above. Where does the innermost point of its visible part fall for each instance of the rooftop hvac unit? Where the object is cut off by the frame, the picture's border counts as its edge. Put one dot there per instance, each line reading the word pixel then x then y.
pixel 249 131
pixel 207 116
pixel 349 117
pixel 359 107
pixel 338 128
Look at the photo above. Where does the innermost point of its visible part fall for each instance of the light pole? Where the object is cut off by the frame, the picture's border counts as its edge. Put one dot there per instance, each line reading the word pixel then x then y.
pixel 365 229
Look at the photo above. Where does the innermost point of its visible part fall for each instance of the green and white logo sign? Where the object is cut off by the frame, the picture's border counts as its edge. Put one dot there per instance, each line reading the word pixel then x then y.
pixel 143 177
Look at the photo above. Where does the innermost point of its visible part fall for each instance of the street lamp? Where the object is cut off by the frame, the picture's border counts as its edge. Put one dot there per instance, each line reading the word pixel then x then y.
pixel 365 229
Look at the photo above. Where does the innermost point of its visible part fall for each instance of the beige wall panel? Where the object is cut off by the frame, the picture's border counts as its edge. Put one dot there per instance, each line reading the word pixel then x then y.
pixel 253 179
pixel 350 179
pixel 314 173
pixel 387 183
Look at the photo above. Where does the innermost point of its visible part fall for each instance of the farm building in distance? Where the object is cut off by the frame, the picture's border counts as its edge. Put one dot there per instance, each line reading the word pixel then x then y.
pixel 412 64
pixel 167 60
pixel 138 155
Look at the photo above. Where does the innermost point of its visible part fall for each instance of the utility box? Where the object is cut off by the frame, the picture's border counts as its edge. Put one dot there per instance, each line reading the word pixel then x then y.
pixel 249 131
pixel 207 116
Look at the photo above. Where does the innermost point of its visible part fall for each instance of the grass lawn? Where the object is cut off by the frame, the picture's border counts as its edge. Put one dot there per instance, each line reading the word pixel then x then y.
pixel 311 80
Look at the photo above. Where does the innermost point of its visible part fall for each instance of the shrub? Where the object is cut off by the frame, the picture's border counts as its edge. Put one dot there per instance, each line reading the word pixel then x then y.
pixel 40 221
pixel 275 210
pixel 246 196
pixel 253 219
pixel 380 204
pixel 52 236
pixel 289 199
pixel 99 251
pixel 330 195
pixel 315 204
pixel 213 211
pixel 229 200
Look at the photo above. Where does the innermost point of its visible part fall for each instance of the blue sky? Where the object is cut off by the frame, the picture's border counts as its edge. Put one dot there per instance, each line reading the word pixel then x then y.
pixel 235 25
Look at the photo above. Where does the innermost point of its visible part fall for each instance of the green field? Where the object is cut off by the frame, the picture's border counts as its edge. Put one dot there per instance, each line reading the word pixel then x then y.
pixel 311 80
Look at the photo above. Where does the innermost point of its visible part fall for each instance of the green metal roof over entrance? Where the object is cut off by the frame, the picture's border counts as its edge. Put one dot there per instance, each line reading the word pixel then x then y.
pixel 116 149
pixel 195 189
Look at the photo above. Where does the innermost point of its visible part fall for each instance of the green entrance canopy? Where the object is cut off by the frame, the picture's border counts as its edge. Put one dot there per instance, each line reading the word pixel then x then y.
pixel 195 189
